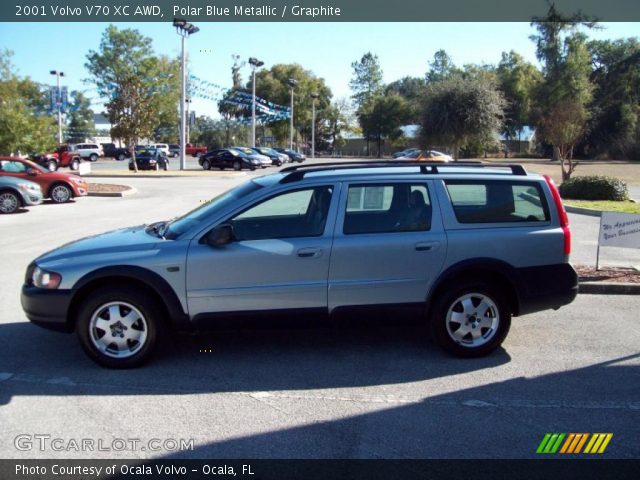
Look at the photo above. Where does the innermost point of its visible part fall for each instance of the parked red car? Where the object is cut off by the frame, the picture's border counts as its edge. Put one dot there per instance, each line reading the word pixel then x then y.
pixel 59 187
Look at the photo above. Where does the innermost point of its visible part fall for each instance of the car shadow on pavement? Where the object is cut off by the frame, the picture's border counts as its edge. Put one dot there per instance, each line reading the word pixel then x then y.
pixel 39 362
pixel 504 419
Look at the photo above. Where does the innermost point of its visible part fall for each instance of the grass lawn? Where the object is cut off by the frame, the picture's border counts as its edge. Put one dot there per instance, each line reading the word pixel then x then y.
pixel 605 205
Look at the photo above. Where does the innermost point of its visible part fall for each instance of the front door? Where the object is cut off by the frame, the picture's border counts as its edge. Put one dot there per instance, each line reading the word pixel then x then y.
pixel 279 260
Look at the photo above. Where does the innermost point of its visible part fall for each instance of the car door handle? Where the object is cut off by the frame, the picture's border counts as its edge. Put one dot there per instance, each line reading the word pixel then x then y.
pixel 427 246
pixel 309 252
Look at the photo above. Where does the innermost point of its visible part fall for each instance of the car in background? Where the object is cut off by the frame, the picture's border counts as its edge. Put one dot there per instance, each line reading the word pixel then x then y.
pixel 17 192
pixel 277 158
pixel 59 187
pixel 150 158
pixel 194 150
pixel 112 151
pixel 88 151
pixel 292 154
pixel 427 156
pixel 404 153
pixel 163 147
pixel 228 158
pixel 174 150
pixel 263 159
pixel 63 156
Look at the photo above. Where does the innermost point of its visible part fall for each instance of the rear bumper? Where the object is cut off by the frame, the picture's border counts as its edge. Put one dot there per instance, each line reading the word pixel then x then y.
pixel 546 287
pixel 47 308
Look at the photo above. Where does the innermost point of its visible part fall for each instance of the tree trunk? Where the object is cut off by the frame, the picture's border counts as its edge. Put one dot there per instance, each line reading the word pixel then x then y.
pixel 379 146
pixel 133 156
pixel 456 152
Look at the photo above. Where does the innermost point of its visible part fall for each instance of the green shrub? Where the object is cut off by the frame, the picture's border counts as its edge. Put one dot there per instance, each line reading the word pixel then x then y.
pixel 594 188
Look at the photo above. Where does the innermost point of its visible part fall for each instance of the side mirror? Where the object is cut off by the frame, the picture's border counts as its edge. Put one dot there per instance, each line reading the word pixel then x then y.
pixel 219 236
pixel 32 171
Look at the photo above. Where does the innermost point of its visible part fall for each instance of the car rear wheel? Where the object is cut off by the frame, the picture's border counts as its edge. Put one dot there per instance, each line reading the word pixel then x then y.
pixel 60 193
pixel 471 320
pixel 52 165
pixel 120 157
pixel 75 164
pixel 206 164
pixel 237 165
pixel 119 328
pixel 9 202
pixel 93 157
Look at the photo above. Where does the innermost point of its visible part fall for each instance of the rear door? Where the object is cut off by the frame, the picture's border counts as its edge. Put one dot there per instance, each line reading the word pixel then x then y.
pixel 389 244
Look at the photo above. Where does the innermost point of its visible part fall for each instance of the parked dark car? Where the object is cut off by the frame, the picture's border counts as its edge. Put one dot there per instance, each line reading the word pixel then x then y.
pixel 119 153
pixel 275 157
pixel 293 155
pixel 150 159
pixel 174 150
pixel 228 158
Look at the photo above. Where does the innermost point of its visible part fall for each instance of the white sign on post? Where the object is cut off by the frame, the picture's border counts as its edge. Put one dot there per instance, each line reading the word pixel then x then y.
pixel 618 230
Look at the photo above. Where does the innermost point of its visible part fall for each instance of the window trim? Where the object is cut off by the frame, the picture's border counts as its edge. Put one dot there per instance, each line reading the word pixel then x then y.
pixel 526 183
pixel 377 183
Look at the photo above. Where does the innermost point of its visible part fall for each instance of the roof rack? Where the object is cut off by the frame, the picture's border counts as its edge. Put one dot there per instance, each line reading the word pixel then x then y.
pixel 296 172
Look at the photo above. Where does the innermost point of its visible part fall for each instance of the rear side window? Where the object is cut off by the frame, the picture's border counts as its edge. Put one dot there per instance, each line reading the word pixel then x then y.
pixel 386 208
pixel 477 201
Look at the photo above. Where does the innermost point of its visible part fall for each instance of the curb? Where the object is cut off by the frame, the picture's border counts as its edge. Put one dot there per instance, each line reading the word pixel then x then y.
pixel 609 288
pixel 583 211
pixel 124 193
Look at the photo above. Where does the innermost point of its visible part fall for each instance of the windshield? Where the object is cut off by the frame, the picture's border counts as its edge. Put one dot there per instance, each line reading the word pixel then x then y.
pixel 195 217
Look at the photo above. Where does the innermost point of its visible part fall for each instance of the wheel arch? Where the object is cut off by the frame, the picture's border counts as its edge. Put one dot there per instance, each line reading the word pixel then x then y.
pixel 138 278
pixel 484 269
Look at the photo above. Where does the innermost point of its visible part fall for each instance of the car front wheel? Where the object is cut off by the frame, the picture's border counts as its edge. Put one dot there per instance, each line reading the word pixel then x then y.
pixel 9 202
pixel 118 328
pixel 471 320
pixel 206 164
pixel 93 157
pixel 52 165
pixel 120 157
pixel 60 193
pixel 75 164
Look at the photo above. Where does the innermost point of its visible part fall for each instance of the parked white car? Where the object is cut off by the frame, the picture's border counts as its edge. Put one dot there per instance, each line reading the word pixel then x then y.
pixel 88 151
pixel 163 147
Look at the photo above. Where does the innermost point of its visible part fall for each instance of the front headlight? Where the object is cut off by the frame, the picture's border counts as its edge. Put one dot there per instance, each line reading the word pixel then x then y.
pixel 45 279
pixel 29 186
pixel 254 161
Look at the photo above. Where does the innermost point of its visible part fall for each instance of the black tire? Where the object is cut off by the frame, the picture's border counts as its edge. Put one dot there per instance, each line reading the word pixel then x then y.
pixel 237 165
pixel 496 318
pixel 60 193
pixel 93 157
pixel 52 165
pixel 9 201
pixel 121 157
pixel 206 164
pixel 149 323
pixel 74 164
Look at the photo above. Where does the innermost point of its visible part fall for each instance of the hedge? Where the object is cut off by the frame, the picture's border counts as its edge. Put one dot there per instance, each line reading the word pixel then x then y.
pixel 594 188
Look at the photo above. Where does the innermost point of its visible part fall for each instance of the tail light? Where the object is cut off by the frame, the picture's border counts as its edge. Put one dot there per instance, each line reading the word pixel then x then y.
pixel 562 214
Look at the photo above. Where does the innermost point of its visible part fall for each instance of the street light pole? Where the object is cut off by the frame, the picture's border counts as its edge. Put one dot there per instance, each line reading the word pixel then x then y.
pixel 314 96
pixel 58 74
pixel 292 82
pixel 255 63
pixel 184 29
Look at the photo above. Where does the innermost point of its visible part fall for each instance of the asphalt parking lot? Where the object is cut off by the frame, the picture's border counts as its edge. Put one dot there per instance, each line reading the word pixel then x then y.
pixel 321 393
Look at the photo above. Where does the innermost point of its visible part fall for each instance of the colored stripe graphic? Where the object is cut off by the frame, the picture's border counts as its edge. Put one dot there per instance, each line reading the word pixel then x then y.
pixel 597 443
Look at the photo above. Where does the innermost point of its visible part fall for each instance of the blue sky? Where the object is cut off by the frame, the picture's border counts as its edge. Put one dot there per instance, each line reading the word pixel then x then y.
pixel 327 49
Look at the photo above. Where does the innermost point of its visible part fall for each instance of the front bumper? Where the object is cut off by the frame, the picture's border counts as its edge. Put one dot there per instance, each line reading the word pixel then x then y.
pixel 47 308
pixel 31 198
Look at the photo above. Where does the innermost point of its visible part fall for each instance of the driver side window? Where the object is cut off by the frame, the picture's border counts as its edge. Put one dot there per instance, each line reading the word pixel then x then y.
pixel 298 213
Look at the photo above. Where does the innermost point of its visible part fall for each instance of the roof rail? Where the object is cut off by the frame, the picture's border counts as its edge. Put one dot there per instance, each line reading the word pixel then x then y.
pixel 296 172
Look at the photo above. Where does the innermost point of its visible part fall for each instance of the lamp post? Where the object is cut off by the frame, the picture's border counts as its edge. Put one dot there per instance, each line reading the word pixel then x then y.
pixel 58 74
pixel 314 96
pixel 255 63
pixel 184 29
pixel 292 82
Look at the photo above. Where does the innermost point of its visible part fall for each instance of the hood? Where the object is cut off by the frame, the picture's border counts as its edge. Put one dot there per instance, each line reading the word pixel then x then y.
pixel 122 241
pixel 59 176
